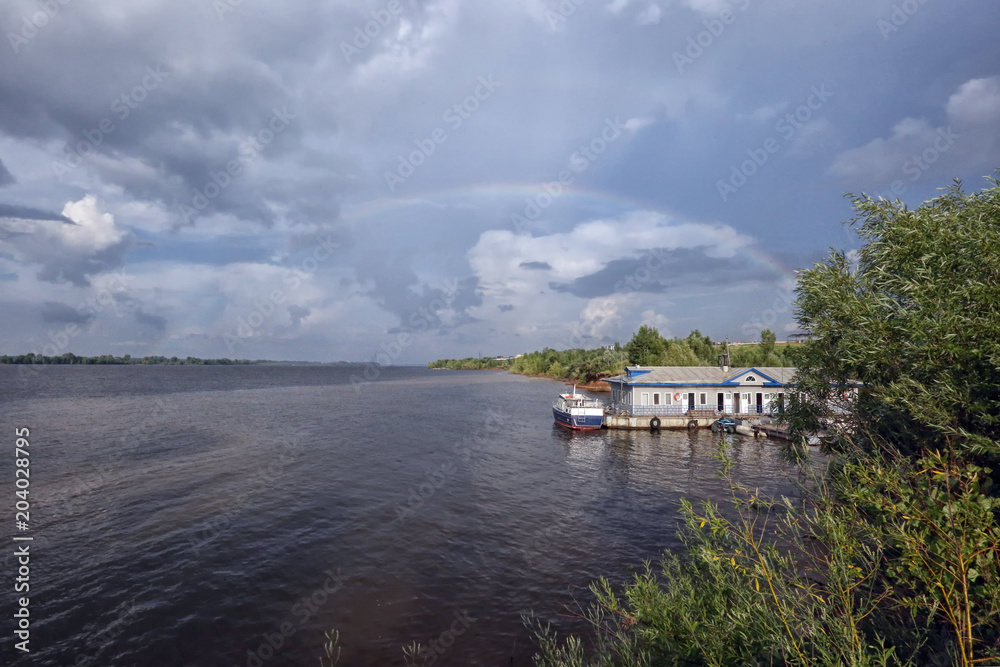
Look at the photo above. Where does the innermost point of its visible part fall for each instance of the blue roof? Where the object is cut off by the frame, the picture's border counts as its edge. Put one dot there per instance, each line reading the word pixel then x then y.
pixel 707 376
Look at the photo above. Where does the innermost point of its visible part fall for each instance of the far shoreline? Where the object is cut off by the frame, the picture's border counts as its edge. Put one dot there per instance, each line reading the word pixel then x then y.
pixel 597 386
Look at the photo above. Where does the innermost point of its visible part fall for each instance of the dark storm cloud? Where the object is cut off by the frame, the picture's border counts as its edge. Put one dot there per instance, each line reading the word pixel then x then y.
pixel 157 322
pixel 6 178
pixel 397 289
pixel 28 213
pixel 65 250
pixel 68 266
pixel 440 309
pixel 665 271
pixel 60 313
pixel 174 91
pixel 536 266
pixel 154 106
pixel 297 313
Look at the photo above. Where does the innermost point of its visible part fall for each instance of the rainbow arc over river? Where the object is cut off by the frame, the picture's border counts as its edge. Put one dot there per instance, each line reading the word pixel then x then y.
pixel 508 199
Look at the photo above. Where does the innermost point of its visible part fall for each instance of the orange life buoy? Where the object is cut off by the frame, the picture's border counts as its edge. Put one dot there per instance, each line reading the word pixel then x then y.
pixel 677 396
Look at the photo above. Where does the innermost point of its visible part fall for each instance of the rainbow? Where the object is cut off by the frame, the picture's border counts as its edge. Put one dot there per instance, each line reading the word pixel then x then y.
pixel 510 196
pixel 583 204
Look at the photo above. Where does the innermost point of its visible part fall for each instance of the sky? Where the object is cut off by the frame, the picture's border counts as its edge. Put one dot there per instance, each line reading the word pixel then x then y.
pixel 401 181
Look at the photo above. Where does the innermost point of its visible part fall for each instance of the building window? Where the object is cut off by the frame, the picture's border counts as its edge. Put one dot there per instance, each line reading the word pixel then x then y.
pixel 703 399
pixel 750 378
pixel 656 398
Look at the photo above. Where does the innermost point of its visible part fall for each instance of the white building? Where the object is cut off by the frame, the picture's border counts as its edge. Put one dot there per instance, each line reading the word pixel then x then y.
pixel 699 390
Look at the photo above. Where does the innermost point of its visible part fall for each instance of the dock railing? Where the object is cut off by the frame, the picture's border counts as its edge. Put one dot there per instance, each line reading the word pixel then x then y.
pixel 701 411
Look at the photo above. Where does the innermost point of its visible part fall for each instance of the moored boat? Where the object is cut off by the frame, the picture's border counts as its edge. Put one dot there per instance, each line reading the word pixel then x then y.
pixel 578 411
pixel 723 426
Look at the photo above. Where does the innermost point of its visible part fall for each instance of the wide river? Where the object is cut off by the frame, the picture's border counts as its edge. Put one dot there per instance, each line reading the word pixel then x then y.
pixel 213 515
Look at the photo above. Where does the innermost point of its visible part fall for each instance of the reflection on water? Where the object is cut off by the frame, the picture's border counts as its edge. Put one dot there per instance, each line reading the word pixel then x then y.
pixel 185 513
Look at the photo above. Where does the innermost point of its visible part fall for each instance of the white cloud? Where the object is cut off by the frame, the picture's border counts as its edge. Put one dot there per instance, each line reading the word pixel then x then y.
pixel 636 124
pixel 651 15
pixel 977 102
pixel 765 113
pixel 516 271
pixel 811 138
pixel 602 316
pixel 72 252
pixel 972 128
pixel 93 230
pixel 659 322
pixel 617 6
pixel 411 48
pixel 708 6
pixel 884 157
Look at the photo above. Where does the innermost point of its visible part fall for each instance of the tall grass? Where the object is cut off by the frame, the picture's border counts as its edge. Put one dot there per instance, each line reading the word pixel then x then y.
pixel 876 566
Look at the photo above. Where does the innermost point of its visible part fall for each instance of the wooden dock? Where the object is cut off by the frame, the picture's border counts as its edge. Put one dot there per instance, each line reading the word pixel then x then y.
pixel 702 419
pixel 689 419
pixel 663 421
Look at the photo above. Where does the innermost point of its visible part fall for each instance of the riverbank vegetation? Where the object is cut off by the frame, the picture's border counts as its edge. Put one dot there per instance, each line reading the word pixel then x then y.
pixel 646 348
pixel 892 556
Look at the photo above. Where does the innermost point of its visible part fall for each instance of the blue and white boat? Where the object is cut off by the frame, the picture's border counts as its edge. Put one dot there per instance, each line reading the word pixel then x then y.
pixel 578 411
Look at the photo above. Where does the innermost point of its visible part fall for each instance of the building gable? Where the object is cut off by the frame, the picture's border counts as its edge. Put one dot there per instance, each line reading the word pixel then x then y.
pixel 752 377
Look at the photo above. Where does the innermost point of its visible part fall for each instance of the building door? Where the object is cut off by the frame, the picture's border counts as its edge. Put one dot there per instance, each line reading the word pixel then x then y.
pixel 721 401
pixel 760 403
pixel 690 400
pixel 736 403
pixel 644 396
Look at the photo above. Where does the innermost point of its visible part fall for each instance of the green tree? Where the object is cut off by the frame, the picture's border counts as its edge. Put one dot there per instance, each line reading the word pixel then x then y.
pixel 915 318
pixel 679 353
pixel 646 347
pixel 702 347
pixel 912 322
pixel 767 340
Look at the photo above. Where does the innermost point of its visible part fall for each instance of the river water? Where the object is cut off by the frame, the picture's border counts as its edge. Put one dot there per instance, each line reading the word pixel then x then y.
pixel 212 515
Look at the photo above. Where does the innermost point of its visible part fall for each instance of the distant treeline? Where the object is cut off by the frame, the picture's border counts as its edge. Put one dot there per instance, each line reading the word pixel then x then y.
pixel 471 364
pixel 647 348
pixel 108 359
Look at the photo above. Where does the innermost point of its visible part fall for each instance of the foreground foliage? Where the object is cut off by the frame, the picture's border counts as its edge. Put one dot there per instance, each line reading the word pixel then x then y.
pixel 893 556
